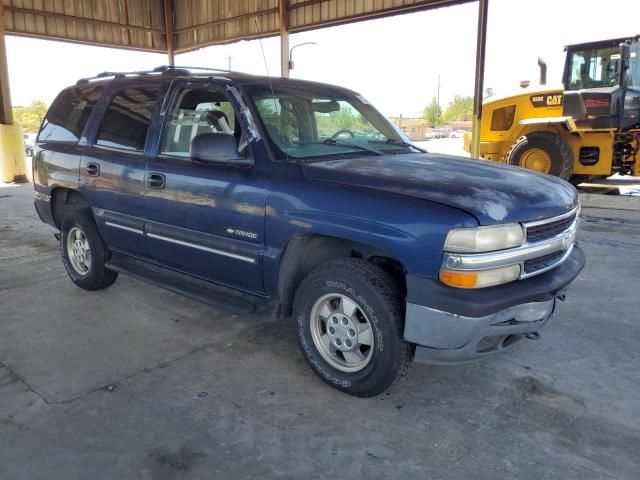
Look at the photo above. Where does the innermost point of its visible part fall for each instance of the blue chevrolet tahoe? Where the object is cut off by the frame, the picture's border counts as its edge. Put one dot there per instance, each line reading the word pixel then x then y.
pixel 299 201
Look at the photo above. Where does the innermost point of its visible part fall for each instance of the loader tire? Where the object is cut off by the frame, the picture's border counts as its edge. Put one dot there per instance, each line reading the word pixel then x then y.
pixel 543 152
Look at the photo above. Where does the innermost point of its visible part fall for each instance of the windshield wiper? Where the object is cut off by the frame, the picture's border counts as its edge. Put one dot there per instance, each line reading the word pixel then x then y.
pixel 335 143
pixel 400 143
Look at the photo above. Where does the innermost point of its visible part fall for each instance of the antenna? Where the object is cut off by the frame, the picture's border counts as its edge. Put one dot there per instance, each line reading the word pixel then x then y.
pixel 273 95
pixel 264 57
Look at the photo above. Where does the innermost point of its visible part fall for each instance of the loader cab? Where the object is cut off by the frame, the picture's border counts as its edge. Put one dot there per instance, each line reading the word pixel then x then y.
pixel 602 84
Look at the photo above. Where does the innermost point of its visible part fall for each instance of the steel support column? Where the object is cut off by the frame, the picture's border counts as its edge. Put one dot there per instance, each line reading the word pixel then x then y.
pixel 6 115
pixel 284 39
pixel 12 160
pixel 481 44
pixel 169 18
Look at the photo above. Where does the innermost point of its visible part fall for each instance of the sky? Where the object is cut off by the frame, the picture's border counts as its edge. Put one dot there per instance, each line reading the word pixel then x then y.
pixel 398 71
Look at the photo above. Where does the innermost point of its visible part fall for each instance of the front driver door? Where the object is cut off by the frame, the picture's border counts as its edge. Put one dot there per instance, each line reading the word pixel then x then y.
pixel 205 219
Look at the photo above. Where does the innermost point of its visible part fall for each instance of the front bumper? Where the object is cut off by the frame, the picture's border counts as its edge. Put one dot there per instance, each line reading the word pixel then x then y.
pixel 454 325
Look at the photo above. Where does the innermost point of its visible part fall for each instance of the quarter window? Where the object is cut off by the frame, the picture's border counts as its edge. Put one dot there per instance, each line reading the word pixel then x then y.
pixel 126 122
pixel 69 113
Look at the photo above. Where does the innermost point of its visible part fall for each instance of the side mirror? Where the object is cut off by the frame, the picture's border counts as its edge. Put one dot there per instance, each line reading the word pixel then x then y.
pixel 217 148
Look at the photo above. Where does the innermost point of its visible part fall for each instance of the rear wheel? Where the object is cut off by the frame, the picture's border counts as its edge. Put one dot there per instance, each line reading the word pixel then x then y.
pixel 350 327
pixel 84 254
pixel 543 152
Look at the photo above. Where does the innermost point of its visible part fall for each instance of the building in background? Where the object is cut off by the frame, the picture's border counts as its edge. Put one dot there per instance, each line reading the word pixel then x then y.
pixel 415 128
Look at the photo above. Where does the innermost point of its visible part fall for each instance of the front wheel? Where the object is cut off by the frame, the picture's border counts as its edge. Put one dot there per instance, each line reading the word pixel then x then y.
pixel 350 327
pixel 543 152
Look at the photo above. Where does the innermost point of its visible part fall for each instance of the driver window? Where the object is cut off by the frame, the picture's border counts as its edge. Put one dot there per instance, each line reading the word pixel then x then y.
pixel 196 112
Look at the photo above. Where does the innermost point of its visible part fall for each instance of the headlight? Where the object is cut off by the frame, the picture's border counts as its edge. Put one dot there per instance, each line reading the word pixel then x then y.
pixel 484 239
pixel 480 278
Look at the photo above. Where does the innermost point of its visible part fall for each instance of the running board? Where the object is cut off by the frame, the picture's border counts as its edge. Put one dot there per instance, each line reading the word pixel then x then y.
pixel 225 298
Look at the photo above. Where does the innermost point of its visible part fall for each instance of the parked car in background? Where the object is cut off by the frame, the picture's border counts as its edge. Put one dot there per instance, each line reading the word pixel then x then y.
pixel 29 140
pixel 251 191
pixel 457 134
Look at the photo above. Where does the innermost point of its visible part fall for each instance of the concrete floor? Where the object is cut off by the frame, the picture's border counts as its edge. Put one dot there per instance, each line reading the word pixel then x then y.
pixel 137 383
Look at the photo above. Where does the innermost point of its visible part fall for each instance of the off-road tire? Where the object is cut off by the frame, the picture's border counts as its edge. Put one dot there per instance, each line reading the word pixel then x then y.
pixel 379 297
pixel 98 276
pixel 552 143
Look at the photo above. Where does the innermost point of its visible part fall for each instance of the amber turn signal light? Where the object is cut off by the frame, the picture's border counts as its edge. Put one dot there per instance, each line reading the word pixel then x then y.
pixel 458 279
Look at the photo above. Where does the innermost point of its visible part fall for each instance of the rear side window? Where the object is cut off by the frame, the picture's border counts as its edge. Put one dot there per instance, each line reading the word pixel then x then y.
pixel 68 115
pixel 126 121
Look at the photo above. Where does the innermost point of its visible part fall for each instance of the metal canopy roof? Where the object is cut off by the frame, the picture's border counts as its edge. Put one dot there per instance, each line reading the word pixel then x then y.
pixel 142 25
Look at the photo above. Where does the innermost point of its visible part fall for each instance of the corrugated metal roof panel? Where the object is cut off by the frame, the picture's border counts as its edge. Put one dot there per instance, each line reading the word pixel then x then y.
pixel 201 23
pixel 135 24
pixel 222 21
pixel 307 14
pixel 139 24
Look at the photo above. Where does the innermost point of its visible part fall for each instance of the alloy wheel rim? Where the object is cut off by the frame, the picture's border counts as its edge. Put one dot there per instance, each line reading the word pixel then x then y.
pixel 78 251
pixel 536 159
pixel 341 332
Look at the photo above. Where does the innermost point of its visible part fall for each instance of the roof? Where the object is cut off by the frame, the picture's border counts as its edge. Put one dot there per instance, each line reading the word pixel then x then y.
pixel 612 42
pixel 143 24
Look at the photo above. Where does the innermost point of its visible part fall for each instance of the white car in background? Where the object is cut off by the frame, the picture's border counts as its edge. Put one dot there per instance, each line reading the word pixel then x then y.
pixel 29 140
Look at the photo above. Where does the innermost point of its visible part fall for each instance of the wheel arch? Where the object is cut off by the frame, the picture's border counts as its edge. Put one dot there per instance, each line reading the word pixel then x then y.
pixel 296 262
pixel 63 200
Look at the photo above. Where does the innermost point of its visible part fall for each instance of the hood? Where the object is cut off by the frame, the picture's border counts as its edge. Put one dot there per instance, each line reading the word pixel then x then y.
pixel 529 91
pixel 491 192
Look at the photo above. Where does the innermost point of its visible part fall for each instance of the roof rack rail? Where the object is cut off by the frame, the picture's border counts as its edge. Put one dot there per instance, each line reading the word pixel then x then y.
pixel 162 69
pixel 107 74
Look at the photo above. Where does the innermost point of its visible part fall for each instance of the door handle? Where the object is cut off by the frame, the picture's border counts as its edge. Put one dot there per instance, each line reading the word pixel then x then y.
pixel 92 169
pixel 156 180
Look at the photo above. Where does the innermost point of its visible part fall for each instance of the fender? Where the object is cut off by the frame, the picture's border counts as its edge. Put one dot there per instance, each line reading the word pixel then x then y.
pixel 567 122
pixel 409 230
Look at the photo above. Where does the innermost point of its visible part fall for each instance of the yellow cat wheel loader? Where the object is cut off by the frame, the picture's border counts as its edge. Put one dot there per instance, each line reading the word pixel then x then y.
pixel 588 128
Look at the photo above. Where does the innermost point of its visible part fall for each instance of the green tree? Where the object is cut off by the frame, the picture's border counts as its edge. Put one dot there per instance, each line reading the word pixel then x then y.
pixel 344 118
pixel 30 117
pixel 433 113
pixel 460 108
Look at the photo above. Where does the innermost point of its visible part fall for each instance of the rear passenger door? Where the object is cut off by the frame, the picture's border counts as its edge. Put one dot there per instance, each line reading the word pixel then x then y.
pixel 205 219
pixel 112 171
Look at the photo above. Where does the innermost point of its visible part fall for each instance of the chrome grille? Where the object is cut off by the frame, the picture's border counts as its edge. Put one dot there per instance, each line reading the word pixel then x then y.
pixel 543 231
pixel 540 263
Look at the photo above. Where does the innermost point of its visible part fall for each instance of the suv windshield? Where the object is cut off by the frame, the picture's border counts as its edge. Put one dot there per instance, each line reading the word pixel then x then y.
pixel 600 67
pixel 307 122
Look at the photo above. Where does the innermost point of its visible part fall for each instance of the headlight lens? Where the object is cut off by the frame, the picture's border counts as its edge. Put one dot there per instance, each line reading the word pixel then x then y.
pixel 480 278
pixel 484 239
